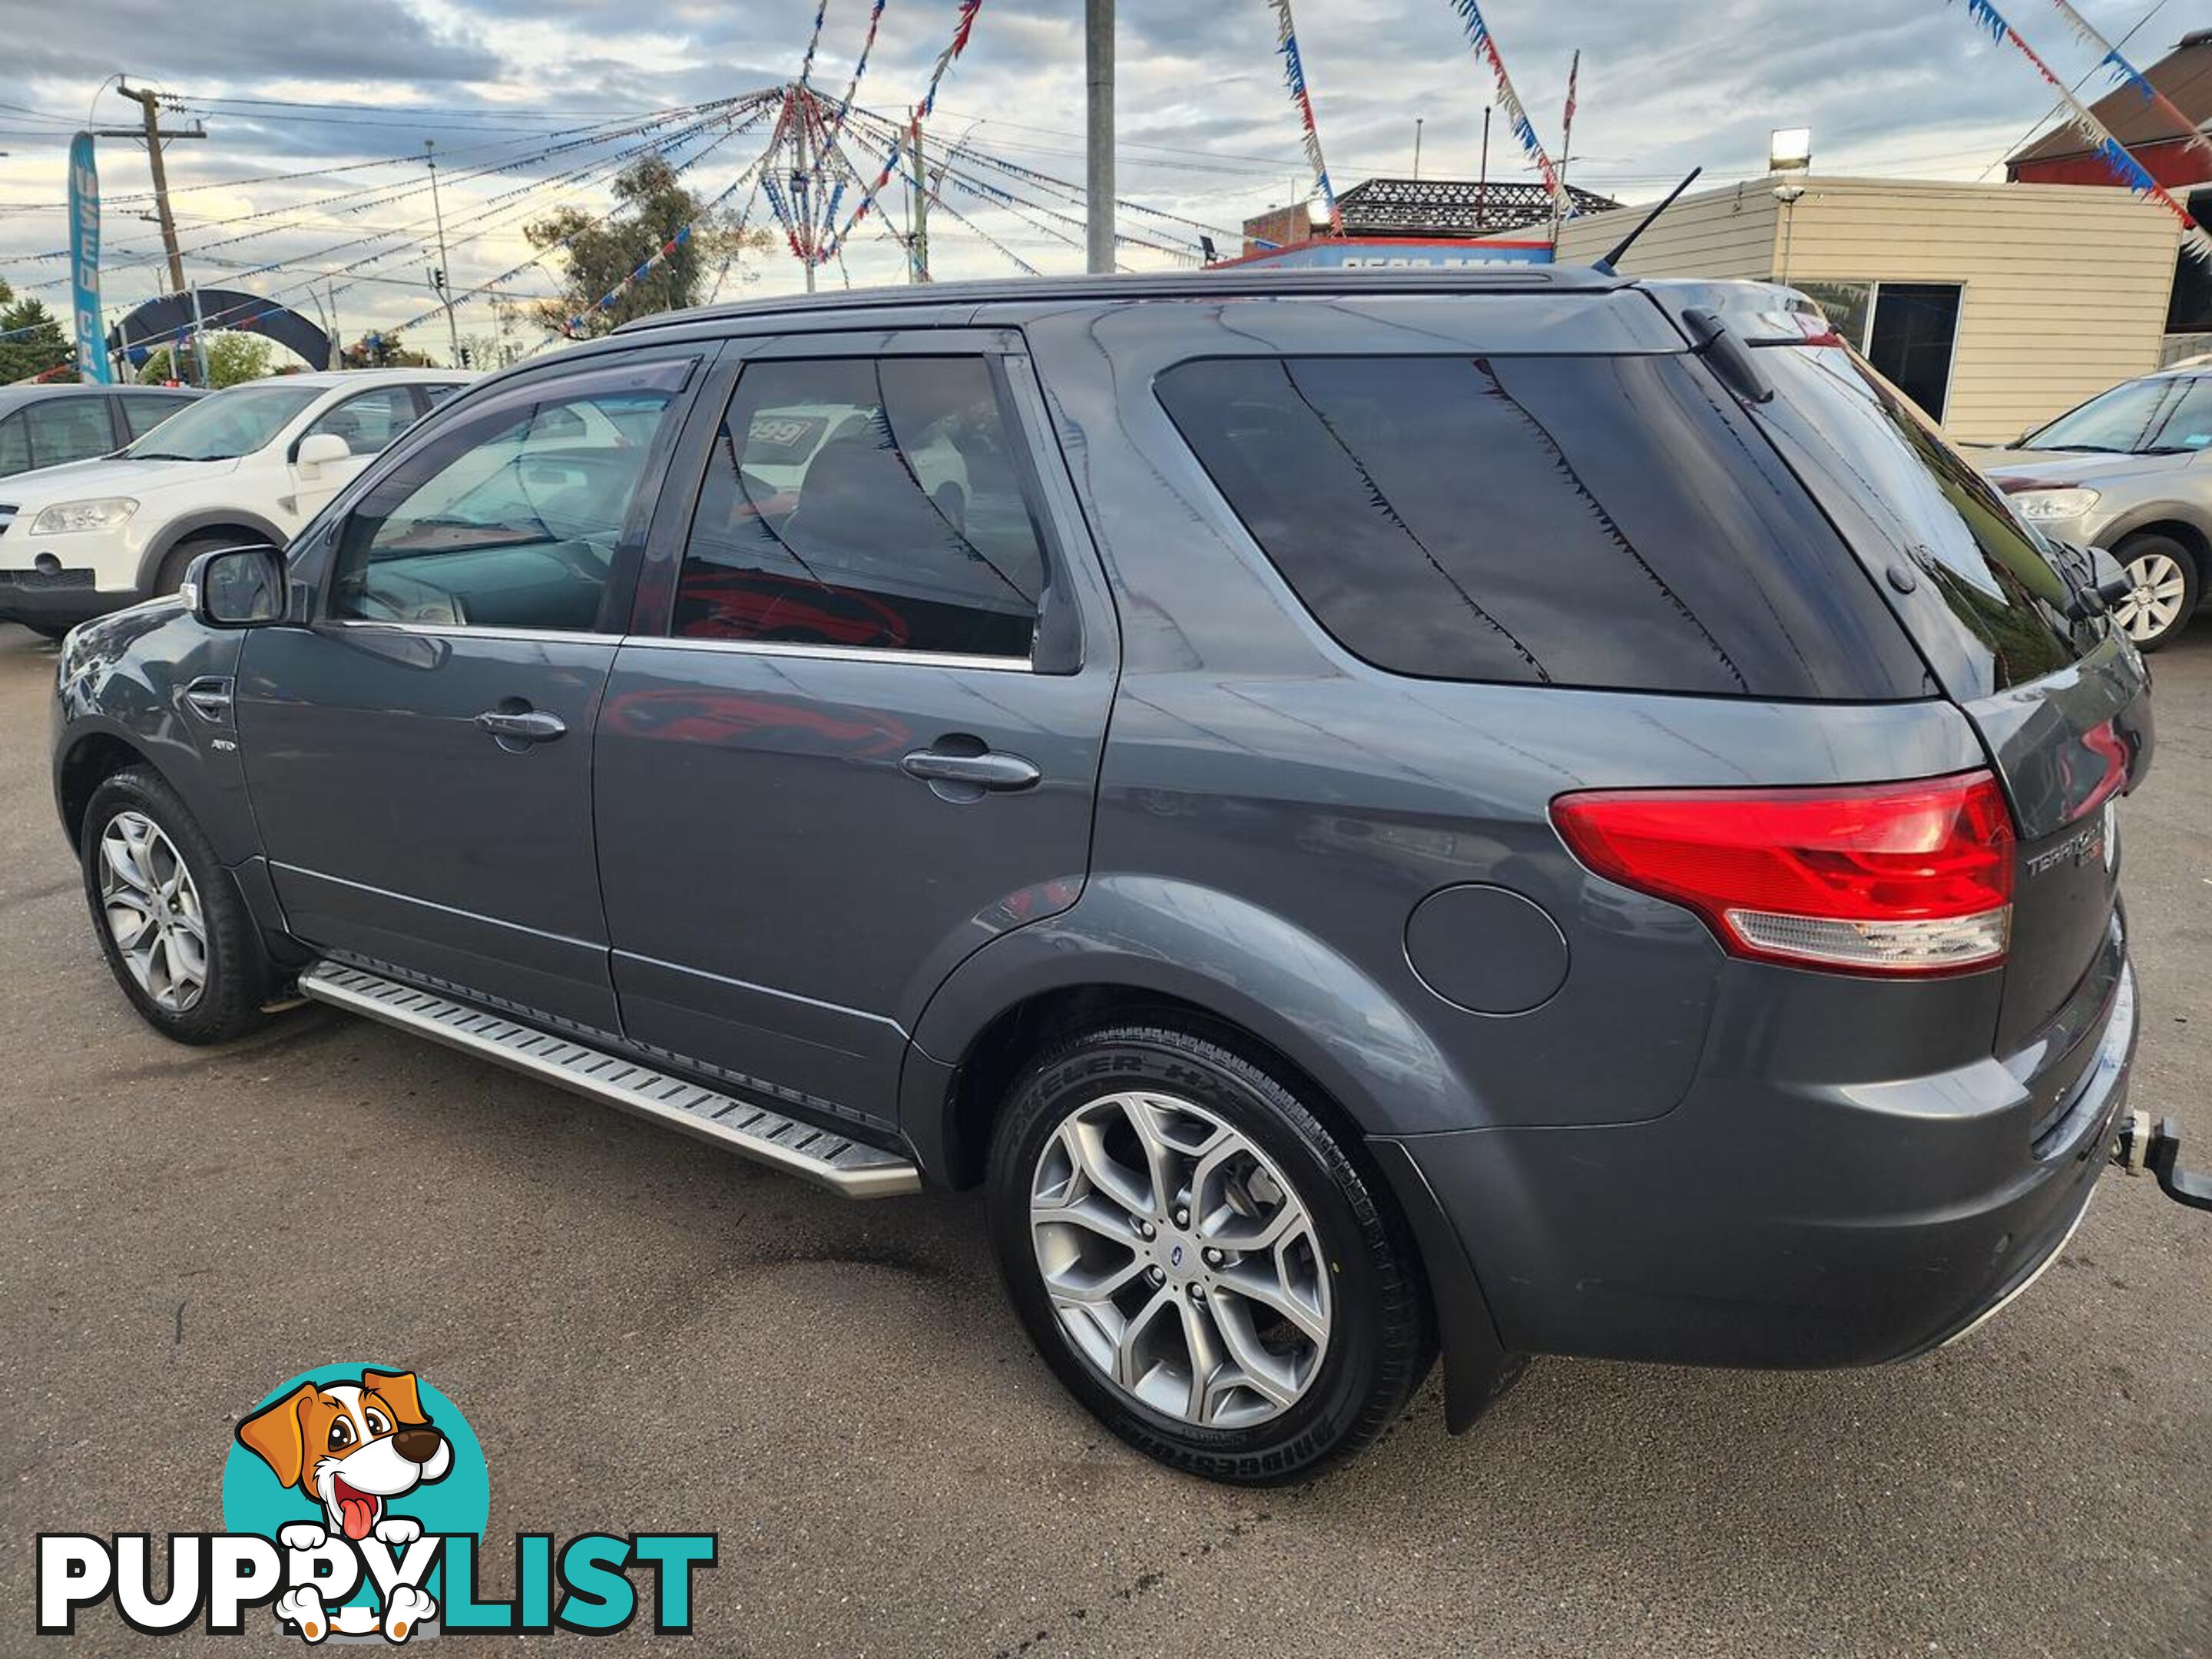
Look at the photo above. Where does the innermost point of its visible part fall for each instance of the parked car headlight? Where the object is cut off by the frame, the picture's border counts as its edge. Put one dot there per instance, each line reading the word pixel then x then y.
pixel 64 517
pixel 2050 505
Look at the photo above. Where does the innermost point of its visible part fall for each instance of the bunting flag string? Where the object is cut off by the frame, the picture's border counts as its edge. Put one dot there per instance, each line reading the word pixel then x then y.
pixel 963 26
pixel 1516 118
pixel 756 111
pixel 781 209
pixel 2129 74
pixel 755 171
pixel 1013 204
pixel 813 40
pixel 938 204
pixel 966 152
pixel 1294 77
pixel 859 67
pixel 2109 150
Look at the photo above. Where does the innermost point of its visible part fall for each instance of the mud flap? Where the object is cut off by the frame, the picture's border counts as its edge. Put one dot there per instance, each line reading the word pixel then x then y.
pixel 1478 1366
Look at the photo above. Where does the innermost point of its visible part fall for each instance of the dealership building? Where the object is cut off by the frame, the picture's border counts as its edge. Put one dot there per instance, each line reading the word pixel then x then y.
pixel 1994 306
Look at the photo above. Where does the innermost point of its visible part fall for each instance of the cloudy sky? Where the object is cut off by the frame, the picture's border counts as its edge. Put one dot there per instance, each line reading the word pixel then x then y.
pixel 346 91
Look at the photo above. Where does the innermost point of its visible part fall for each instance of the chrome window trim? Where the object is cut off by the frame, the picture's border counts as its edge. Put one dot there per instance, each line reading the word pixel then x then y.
pixel 465 631
pixel 835 652
pixel 658 641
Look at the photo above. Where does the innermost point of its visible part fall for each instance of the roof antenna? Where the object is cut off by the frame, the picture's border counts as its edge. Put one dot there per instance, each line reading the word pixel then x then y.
pixel 1604 267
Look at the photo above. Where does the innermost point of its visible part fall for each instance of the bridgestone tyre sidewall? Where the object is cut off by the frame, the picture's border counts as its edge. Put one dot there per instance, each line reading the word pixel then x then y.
pixel 1379 1345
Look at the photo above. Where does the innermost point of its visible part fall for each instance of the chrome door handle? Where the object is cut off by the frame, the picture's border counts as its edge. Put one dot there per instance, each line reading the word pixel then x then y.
pixel 513 725
pixel 988 770
pixel 209 698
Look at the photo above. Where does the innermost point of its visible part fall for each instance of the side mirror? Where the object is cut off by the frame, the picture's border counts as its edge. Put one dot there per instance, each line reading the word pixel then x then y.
pixel 237 586
pixel 319 450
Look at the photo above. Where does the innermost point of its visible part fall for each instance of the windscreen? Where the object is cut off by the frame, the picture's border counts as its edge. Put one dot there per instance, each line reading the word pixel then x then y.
pixel 225 426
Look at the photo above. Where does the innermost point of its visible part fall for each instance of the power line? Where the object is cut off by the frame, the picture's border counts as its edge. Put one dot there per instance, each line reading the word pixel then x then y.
pixel 2059 108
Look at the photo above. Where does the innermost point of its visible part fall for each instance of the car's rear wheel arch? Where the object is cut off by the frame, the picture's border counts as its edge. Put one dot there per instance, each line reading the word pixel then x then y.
pixel 1005 1048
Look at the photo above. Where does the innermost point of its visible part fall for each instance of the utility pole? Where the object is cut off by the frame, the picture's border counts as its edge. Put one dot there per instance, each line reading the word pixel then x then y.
pixel 920 199
pixel 1098 74
pixel 148 100
pixel 445 272
pixel 1417 147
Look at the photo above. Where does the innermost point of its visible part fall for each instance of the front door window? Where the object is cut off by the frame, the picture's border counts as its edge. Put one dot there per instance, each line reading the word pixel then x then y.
pixel 514 519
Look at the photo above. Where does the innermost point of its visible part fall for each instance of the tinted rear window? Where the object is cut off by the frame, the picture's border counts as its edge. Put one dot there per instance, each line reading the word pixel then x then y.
pixel 1580 521
pixel 1905 497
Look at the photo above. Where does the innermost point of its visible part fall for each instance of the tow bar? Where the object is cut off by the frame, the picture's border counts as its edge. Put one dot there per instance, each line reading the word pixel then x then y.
pixel 2138 1147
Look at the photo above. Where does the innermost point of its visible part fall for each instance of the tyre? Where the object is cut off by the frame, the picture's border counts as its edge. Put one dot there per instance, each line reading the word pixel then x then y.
pixel 171 923
pixel 177 562
pixel 1199 1260
pixel 2163 598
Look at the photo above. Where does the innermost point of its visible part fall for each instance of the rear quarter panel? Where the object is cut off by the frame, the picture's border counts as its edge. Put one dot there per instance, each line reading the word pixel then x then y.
pixel 1270 811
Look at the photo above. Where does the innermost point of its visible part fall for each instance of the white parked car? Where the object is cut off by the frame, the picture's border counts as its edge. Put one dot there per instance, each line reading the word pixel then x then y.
pixel 253 463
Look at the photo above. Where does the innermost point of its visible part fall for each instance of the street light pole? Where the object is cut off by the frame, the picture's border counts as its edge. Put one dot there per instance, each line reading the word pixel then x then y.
pixel 445 274
pixel 1098 66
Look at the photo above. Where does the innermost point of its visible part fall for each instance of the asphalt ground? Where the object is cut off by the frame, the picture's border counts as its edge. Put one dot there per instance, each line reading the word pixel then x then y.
pixel 648 1335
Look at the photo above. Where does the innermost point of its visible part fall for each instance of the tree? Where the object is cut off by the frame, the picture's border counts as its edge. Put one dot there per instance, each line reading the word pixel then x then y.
pixel 650 208
pixel 381 351
pixel 232 357
pixel 32 339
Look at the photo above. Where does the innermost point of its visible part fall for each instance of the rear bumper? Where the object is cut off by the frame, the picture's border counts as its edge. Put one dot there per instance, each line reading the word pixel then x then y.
pixel 1783 1225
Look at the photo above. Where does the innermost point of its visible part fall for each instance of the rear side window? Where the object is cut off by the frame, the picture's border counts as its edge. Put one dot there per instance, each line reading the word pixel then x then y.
pixel 1578 521
pixel 68 429
pixel 873 505
pixel 369 422
pixel 141 415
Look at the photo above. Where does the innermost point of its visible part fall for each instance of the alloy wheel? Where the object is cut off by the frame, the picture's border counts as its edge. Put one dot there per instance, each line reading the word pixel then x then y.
pixel 2154 603
pixel 1179 1260
pixel 152 911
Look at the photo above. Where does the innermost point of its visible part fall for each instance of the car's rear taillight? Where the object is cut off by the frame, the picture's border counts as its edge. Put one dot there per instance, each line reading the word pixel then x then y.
pixel 1889 878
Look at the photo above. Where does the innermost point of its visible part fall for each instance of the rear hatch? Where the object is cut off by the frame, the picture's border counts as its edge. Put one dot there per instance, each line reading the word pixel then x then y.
pixel 2061 704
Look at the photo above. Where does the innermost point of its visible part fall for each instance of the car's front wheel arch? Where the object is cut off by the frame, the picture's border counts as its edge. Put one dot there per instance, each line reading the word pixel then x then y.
pixel 226 528
pixel 86 764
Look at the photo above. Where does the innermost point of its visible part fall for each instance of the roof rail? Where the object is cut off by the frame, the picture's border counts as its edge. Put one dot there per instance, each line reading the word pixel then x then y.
pixel 1246 283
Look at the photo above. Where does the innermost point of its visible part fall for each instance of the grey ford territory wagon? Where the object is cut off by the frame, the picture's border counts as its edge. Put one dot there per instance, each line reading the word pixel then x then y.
pixel 1378 814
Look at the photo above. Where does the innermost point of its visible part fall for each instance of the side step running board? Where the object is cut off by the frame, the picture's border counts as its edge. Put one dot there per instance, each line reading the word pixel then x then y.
pixel 822 1156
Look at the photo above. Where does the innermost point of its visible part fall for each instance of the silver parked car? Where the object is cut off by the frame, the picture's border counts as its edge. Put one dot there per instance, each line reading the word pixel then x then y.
pixel 2127 471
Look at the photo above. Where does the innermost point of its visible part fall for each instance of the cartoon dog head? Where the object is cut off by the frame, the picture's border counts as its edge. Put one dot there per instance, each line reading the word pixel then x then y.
pixel 353 1445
